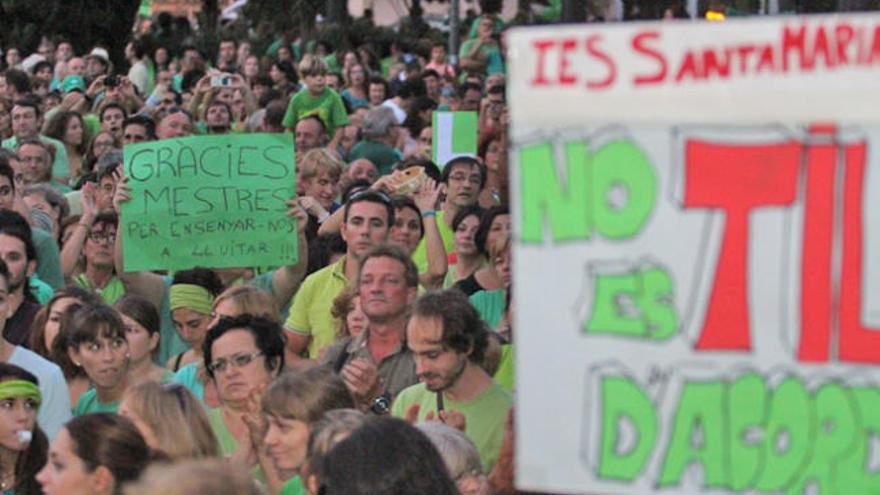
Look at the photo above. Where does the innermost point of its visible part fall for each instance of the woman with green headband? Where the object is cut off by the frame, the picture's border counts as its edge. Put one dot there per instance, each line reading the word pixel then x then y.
pixel 192 296
pixel 23 445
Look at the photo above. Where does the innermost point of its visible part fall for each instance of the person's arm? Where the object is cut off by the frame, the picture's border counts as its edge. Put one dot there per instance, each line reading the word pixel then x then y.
pixel 286 279
pixel 470 57
pixel 250 101
pixel 202 87
pixel 72 249
pixel 297 326
pixel 426 199
pixel 145 284
pixel 55 408
pixel 130 98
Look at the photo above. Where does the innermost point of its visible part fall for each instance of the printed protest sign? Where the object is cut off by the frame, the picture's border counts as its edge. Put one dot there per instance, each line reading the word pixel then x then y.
pixel 455 134
pixel 697 256
pixel 211 201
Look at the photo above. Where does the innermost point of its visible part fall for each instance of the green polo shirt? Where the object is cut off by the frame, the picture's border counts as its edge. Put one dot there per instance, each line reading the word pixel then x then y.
pixel 310 311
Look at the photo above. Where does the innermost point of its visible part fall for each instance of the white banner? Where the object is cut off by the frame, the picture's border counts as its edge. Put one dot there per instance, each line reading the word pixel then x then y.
pixel 697 265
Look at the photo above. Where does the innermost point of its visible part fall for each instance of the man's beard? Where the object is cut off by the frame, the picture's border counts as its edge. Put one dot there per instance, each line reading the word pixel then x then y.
pixel 16 283
pixel 450 379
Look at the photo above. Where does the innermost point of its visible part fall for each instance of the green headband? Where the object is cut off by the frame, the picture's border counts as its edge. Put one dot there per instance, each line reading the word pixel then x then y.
pixel 20 388
pixel 191 296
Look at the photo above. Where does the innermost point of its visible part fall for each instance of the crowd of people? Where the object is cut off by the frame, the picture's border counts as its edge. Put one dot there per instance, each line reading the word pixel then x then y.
pixel 381 362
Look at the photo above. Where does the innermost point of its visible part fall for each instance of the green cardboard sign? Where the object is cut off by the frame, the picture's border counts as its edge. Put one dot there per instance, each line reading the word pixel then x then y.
pixel 210 201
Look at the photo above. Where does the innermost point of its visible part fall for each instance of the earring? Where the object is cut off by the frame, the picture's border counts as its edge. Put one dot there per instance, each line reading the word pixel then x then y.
pixel 76 364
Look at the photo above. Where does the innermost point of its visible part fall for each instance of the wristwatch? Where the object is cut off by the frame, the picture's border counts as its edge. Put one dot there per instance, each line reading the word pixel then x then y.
pixel 381 405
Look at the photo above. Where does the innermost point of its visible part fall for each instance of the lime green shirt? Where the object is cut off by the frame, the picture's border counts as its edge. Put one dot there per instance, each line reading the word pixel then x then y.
pixel 112 292
pixel 327 106
pixel 484 416
pixel 420 255
pixel 88 403
pixel 227 442
pixel 310 311
pixel 293 486
pixel 505 374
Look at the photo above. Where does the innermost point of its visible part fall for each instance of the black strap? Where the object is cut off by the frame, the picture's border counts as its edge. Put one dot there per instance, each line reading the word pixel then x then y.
pixel 343 357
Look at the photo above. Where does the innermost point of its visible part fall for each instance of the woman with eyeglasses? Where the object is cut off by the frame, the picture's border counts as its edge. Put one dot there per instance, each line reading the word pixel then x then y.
pixel 171 420
pixel 242 356
pixel 93 241
pixel 96 342
pixel 23 444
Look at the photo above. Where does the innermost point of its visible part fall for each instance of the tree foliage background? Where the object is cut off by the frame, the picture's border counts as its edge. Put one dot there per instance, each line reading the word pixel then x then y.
pixel 84 23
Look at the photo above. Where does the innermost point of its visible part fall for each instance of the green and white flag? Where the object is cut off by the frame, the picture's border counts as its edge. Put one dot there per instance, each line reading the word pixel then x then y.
pixel 455 134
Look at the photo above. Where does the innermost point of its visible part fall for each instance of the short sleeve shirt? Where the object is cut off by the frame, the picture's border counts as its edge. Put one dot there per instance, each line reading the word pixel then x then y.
pixel 310 311
pixel 327 106
pixel 484 416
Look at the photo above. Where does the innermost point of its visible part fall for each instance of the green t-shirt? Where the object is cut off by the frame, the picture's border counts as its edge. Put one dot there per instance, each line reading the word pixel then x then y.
pixel 48 258
pixel 327 106
pixel 293 486
pixel 41 290
pixel 112 292
pixel 420 255
pixel 227 442
pixel 383 156
pixel 490 304
pixel 88 403
pixel 491 54
pixel 505 374
pixel 484 416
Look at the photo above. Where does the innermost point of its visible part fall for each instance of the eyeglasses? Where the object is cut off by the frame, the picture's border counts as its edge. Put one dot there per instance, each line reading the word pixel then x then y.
pixel 101 236
pixel 236 360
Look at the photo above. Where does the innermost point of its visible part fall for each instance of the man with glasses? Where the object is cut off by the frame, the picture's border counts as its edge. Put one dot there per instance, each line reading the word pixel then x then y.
pixel 35 165
pixel 464 178
pixel 26 125
pixel 367 219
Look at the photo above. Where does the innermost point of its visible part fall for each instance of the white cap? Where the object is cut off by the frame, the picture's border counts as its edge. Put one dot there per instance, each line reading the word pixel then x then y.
pixel 100 52
pixel 31 60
